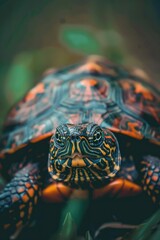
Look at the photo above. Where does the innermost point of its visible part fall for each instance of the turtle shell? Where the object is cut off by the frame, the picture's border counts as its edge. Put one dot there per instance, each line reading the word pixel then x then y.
pixel 95 90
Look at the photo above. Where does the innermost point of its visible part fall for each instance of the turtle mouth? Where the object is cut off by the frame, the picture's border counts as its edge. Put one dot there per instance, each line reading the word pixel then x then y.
pixel 77 160
pixel 74 155
pixel 82 171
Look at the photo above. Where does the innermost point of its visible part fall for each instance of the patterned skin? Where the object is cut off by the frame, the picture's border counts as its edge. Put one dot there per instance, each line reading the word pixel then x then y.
pixel 83 156
pixel 88 117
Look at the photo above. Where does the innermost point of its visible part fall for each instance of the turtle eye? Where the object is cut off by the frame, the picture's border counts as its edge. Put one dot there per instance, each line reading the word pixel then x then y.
pixel 97 138
pixel 60 139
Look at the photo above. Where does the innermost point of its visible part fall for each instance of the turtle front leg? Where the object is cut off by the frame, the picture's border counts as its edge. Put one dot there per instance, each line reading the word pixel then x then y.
pixel 18 200
pixel 150 175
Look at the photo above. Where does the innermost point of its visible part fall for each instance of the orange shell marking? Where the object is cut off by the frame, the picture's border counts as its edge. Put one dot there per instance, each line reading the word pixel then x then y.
pixel 90 66
pixel 32 94
pixel 89 82
pixel 147 99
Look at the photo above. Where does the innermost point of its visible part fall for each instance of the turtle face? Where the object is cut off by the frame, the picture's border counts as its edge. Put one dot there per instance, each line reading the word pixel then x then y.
pixel 83 156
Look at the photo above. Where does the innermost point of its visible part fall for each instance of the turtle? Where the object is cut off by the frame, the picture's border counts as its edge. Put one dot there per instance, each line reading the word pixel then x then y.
pixel 84 131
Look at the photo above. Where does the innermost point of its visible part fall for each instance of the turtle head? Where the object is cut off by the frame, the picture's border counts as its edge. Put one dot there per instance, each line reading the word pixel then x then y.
pixel 83 156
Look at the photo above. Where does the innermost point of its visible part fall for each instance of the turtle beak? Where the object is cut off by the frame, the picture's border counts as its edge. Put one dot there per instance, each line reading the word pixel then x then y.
pixel 78 160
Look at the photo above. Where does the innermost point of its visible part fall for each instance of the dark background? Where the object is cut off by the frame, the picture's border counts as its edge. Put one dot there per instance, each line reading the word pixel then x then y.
pixel 36 35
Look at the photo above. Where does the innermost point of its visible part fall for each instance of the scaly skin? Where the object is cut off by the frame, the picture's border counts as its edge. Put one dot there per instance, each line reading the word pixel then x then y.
pixel 18 200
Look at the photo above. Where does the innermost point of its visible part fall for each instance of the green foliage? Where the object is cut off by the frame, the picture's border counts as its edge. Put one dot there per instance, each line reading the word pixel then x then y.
pixel 19 78
pixel 68 230
pixel 104 42
pixel 80 39
pixel 88 236
pixel 149 230
pixel 77 208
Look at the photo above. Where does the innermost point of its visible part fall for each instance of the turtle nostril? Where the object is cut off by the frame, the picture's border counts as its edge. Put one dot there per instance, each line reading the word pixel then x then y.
pixel 74 137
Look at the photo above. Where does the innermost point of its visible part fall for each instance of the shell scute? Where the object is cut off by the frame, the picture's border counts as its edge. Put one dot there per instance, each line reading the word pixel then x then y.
pixel 93 91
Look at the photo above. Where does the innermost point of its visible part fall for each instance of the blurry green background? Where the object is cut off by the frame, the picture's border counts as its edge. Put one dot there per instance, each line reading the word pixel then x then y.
pixel 36 35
